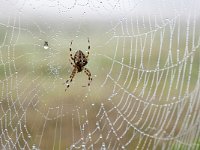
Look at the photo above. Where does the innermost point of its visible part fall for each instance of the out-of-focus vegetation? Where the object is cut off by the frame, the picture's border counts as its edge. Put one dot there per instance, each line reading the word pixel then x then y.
pixel 32 79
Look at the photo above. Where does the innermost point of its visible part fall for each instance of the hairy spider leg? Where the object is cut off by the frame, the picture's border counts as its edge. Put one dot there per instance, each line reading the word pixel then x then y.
pixel 72 63
pixel 70 51
pixel 88 48
pixel 71 77
pixel 87 72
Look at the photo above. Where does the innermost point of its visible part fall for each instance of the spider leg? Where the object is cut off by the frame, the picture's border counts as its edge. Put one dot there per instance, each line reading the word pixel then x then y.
pixel 88 48
pixel 87 72
pixel 70 50
pixel 71 77
pixel 72 63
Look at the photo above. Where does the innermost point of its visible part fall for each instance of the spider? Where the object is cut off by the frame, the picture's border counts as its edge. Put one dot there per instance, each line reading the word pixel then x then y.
pixel 79 61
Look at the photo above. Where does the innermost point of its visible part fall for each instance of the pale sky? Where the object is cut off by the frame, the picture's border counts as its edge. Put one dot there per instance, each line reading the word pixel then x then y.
pixel 93 8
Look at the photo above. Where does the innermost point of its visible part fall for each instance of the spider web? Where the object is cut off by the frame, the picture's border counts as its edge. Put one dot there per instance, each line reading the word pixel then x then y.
pixel 144 61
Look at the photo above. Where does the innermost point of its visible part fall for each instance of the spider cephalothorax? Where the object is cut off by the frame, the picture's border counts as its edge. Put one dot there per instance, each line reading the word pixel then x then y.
pixel 79 61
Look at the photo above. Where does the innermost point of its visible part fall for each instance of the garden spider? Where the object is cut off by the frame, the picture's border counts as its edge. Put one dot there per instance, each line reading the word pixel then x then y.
pixel 79 61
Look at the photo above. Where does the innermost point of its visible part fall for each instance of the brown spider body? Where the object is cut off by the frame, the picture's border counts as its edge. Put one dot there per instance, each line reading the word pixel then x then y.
pixel 79 61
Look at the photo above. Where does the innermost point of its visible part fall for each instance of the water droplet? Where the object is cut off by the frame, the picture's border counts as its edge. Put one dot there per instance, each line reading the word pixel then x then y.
pixel 46 45
pixel 33 147
pixel 103 146
pixel 92 104
pixel 167 19
pixel 89 136
pixel 100 137
pixel 83 146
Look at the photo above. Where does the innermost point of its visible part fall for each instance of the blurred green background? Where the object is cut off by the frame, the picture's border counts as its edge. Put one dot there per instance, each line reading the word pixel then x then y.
pixel 35 109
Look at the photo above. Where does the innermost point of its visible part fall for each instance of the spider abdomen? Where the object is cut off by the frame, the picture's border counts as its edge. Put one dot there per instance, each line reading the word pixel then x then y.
pixel 80 60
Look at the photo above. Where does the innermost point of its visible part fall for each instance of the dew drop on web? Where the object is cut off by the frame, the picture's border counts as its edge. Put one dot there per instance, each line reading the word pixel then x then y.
pixel 46 45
